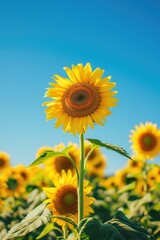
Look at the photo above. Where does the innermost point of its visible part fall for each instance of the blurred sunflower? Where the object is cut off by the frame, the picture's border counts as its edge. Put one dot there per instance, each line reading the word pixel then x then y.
pixel 145 141
pixel 153 176
pixel 3 186
pixel 141 186
pixel 96 168
pixel 24 172
pixel 120 178
pixel 81 100
pixel 134 167
pixel 109 182
pixel 4 161
pixel 94 155
pixel 42 150
pixel 55 165
pixel 14 182
pixel 1 204
pixel 63 198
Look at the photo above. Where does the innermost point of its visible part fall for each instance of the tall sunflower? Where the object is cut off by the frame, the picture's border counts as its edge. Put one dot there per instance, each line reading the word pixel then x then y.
pixel 82 99
pixel 63 199
pixel 145 141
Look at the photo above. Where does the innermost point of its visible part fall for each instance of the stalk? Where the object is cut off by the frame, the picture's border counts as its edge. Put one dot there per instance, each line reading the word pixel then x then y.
pixel 81 180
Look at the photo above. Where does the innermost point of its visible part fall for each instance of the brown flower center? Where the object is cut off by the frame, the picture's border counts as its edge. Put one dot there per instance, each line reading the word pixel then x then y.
pixel 80 100
pixel 99 164
pixel 147 141
pixel 2 162
pixel 63 163
pixel 24 175
pixel 65 201
pixel 92 155
pixel 134 164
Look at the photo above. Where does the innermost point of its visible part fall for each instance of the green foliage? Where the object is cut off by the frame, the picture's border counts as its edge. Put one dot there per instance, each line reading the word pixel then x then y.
pixel 49 227
pixel 48 154
pixel 120 227
pixel 109 146
pixel 34 219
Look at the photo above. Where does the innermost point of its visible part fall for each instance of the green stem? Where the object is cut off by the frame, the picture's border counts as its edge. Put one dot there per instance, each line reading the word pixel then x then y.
pixel 74 165
pixel 145 172
pixel 88 155
pixel 65 232
pixel 81 180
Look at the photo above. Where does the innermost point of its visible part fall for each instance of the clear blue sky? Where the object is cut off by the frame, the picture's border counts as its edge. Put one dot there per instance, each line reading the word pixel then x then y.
pixel 38 38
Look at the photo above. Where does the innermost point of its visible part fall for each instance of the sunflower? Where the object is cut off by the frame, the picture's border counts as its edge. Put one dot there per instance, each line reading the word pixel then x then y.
pixel 94 155
pixel 153 176
pixel 63 198
pixel 82 99
pixel 55 165
pixel 14 182
pixel 121 177
pixel 109 182
pixel 42 150
pixel 4 161
pixel 141 186
pixel 145 141
pixel 96 168
pixel 3 186
pixel 23 171
pixel 134 167
pixel 15 186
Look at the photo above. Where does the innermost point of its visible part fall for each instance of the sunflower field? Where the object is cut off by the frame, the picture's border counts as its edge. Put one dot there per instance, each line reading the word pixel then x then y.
pixel 65 193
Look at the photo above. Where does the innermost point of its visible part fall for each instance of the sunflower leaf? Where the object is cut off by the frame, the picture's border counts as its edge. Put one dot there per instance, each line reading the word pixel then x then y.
pixel 34 219
pixel 109 146
pixel 48 154
pixel 120 227
pixel 49 227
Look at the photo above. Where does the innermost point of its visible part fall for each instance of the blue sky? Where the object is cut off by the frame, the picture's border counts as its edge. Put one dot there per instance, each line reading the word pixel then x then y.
pixel 38 38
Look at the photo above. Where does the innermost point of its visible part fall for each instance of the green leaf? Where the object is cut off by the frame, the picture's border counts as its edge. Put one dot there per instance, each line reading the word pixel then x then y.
pixel 109 146
pixel 74 235
pixel 129 229
pixel 136 205
pixel 119 228
pixel 49 153
pixel 49 227
pixel 127 187
pixel 37 217
pixel 157 206
pixel 89 227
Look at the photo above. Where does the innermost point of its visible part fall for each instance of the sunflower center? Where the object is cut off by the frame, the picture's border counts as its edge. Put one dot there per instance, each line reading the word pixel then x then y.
pixel 65 201
pixel 61 163
pixel 69 199
pixel 147 141
pixel 92 155
pixel 12 183
pixel 24 175
pixel 98 165
pixel 80 100
pixel 134 164
pixel 2 163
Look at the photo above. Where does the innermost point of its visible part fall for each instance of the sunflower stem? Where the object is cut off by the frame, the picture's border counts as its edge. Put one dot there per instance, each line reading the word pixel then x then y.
pixel 88 155
pixel 65 232
pixel 145 172
pixel 81 180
